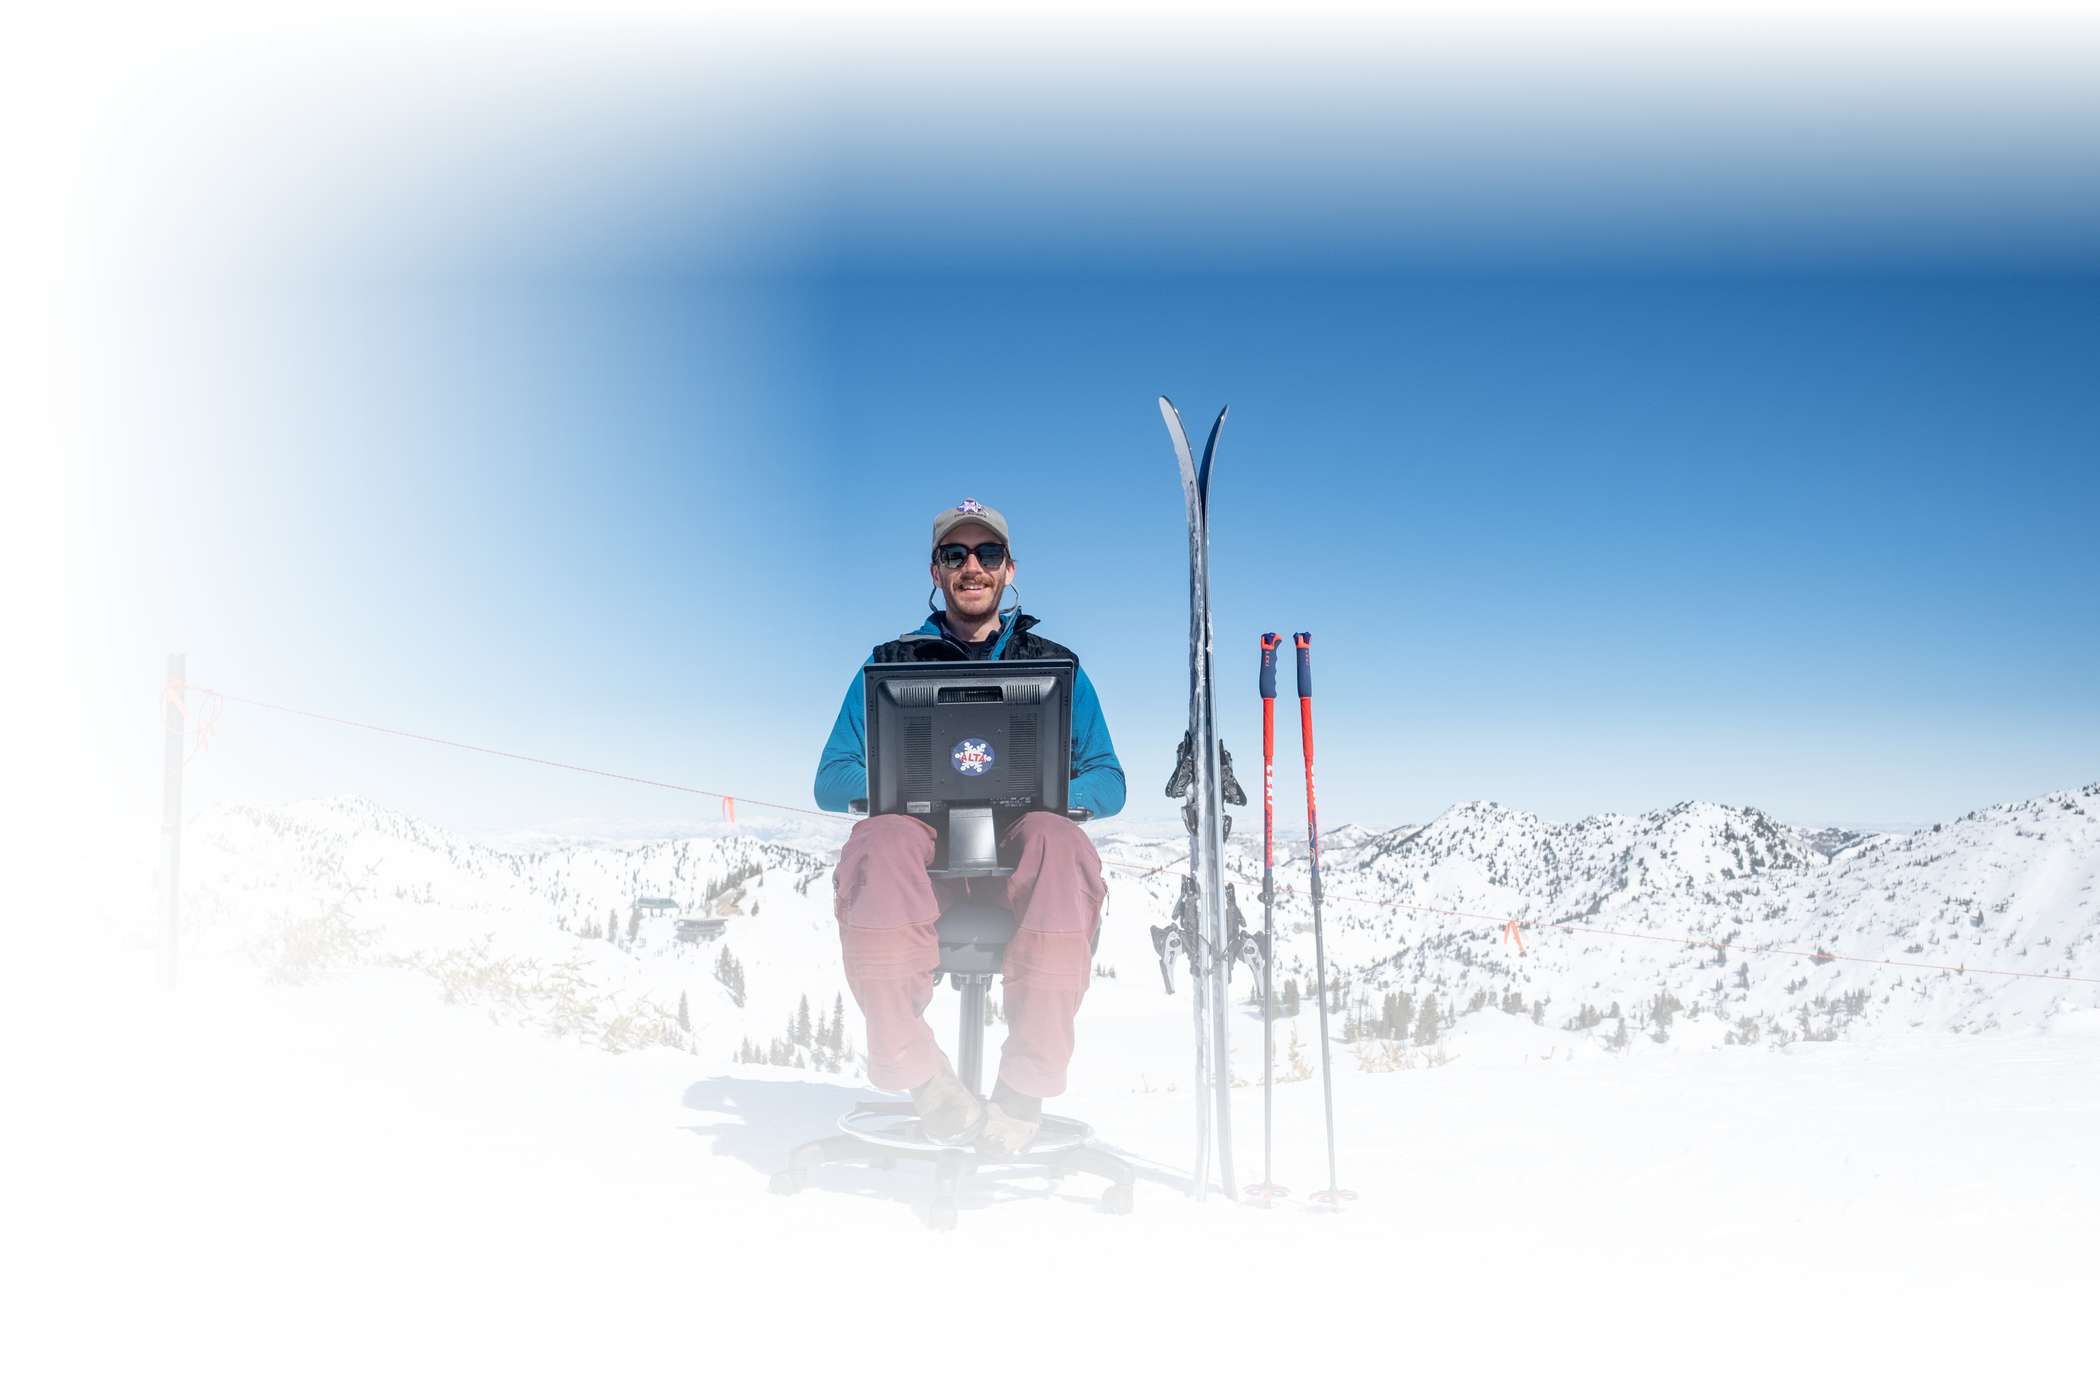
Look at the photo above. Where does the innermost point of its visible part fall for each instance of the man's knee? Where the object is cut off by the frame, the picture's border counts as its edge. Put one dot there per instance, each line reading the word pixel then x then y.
pixel 1055 837
pixel 890 836
pixel 881 878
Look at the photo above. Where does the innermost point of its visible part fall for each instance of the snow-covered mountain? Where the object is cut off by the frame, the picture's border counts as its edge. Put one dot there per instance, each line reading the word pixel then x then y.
pixel 1697 925
pixel 1764 930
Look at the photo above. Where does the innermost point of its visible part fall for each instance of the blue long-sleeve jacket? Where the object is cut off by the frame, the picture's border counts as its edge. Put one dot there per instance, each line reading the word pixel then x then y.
pixel 1097 778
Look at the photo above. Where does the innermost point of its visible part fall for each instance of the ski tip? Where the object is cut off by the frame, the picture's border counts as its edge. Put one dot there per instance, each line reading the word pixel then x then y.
pixel 1166 405
pixel 1210 451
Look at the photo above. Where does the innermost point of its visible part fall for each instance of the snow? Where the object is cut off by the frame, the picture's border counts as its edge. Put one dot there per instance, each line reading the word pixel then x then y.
pixel 344 1181
pixel 325 1188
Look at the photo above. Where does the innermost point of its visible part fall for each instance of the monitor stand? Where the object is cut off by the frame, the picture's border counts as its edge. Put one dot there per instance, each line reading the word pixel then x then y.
pixel 972 846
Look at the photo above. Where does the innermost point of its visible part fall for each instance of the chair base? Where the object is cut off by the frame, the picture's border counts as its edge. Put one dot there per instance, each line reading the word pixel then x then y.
pixel 884 1132
pixel 973 936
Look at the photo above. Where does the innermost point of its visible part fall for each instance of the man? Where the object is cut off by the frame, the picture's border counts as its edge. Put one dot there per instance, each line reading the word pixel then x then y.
pixel 887 903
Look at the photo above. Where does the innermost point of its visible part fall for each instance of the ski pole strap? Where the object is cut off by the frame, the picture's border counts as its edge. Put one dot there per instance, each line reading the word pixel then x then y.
pixel 1304 640
pixel 1269 642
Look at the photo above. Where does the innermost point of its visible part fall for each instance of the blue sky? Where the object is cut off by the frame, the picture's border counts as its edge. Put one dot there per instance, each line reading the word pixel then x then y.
pixel 1791 507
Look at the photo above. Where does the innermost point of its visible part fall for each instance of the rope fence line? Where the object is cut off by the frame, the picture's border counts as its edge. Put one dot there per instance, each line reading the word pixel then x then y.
pixel 729 800
pixel 725 797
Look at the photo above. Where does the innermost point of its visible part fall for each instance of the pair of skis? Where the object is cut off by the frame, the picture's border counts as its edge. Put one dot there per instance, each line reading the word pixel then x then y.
pixel 1207 928
pixel 1199 930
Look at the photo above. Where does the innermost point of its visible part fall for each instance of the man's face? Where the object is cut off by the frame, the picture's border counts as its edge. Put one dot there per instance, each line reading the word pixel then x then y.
pixel 972 591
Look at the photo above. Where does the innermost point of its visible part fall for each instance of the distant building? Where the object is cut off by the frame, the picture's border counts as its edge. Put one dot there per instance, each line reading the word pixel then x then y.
pixel 656 906
pixel 700 930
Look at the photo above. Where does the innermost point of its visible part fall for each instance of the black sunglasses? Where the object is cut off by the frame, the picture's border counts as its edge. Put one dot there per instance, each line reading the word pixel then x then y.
pixel 991 554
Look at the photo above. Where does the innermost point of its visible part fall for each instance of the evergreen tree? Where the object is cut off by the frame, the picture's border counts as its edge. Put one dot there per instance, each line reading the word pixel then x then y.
pixel 685 1014
pixel 1664 1011
pixel 820 1045
pixel 612 926
pixel 1430 1023
pixel 1290 997
pixel 838 1025
pixel 800 1033
pixel 730 973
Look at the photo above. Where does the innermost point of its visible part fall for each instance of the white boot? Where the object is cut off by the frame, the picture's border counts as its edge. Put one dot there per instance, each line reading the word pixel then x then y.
pixel 949 1114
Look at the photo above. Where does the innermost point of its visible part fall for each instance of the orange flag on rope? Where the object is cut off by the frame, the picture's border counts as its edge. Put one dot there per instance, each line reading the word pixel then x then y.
pixel 1515 930
pixel 729 810
pixel 204 722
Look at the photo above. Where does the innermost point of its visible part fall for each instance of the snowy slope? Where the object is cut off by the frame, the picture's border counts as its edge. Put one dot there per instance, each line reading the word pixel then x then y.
pixel 1687 928
pixel 349 1188
pixel 374 1142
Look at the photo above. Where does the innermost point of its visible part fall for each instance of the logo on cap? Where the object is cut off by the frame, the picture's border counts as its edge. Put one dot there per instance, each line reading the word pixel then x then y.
pixel 972 758
pixel 969 506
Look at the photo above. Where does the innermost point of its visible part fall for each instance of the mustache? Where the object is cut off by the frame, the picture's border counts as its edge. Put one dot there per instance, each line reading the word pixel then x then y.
pixel 973 580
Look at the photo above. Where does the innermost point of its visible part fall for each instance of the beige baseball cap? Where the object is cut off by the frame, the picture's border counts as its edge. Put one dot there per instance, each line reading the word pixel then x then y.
pixel 971 512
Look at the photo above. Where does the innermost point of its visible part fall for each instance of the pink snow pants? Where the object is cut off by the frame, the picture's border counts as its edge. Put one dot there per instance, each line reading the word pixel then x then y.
pixel 886 907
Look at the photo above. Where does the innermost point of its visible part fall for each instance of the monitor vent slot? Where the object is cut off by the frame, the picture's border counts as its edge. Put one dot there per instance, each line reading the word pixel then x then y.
pixel 918 750
pixel 1021 743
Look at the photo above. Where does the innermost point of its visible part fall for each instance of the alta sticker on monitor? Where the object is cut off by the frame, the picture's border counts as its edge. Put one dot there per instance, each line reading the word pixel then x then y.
pixel 972 758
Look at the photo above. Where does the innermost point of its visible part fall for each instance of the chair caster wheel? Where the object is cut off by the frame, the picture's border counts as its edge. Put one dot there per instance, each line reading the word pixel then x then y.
pixel 785 1183
pixel 1119 1199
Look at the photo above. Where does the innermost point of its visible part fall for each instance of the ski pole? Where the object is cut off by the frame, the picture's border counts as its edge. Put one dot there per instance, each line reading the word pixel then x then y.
pixel 1268 1190
pixel 1333 1196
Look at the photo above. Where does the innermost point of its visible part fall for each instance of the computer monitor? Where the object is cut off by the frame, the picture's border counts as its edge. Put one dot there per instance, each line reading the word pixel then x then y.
pixel 967 747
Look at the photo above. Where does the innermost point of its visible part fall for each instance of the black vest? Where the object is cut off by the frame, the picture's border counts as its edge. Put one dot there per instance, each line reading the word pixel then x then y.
pixel 1023 645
